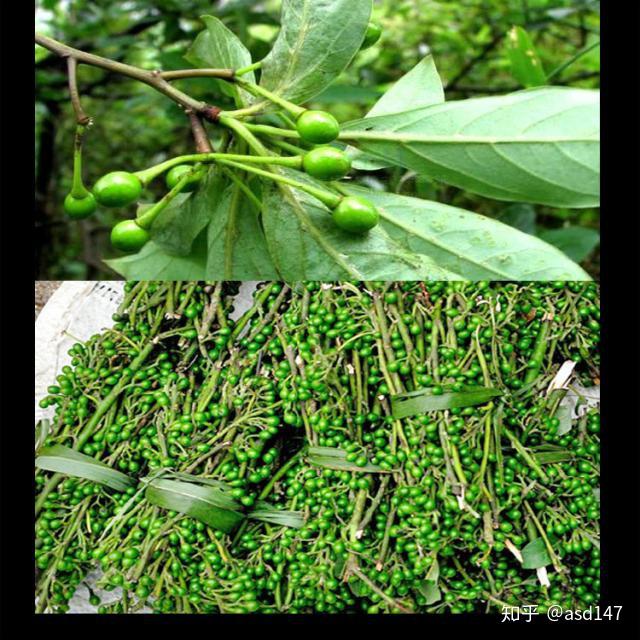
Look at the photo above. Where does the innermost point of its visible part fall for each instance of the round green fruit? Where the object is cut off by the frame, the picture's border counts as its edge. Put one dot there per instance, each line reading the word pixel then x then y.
pixel 326 163
pixel 177 173
pixel 117 189
pixel 128 236
pixel 317 127
pixel 372 35
pixel 80 208
pixel 355 215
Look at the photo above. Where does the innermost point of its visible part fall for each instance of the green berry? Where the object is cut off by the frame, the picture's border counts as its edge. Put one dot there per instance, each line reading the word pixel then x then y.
pixel 128 236
pixel 372 35
pixel 117 189
pixel 317 127
pixel 177 173
pixel 80 208
pixel 326 163
pixel 355 215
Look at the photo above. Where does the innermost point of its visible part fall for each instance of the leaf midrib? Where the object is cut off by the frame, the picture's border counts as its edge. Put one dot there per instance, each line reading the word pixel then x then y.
pixel 392 136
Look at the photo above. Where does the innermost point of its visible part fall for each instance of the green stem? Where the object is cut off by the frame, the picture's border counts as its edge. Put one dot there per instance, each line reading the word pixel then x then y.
pixel 559 69
pixel 78 190
pixel 240 129
pixel 149 216
pixel 279 474
pixel 257 305
pixel 385 540
pixel 327 198
pixel 538 353
pixel 374 587
pixel 530 460
pixel 257 90
pixel 147 175
pixel 482 360
pixel 257 203
pixel 543 534
pixel 358 510
pixel 289 148
pixel 252 67
pixel 268 130
pixel 457 465
pixel 152 78
pixel 488 423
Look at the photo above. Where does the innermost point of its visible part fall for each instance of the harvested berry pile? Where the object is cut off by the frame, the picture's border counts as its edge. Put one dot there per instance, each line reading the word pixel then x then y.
pixel 352 447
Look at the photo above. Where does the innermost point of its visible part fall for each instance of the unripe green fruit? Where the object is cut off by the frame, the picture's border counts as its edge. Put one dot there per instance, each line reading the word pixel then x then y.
pixel 373 34
pixel 317 127
pixel 355 215
pixel 128 236
pixel 177 173
pixel 117 189
pixel 80 208
pixel 326 163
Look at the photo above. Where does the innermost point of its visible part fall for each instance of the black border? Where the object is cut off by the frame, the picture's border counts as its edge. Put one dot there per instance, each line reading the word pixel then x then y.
pixel 620 308
pixel 620 371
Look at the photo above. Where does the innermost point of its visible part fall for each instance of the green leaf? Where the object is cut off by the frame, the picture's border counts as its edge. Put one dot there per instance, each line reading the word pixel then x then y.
pixel 218 48
pixel 237 248
pixel 525 63
pixel 550 454
pixel 535 555
pixel 430 590
pixel 231 503
pixel 264 512
pixel 64 460
pixel 358 588
pixel 317 41
pixel 154 263
pixel 563 411
pixel 221 495
pixel 576 242
pixel 177 226
pixel 421 87
pixel 208 504
pixel 347 94
pixel 429 587
pixel 334 458
pixel 563 414
pixel 43 428
pixel 423 400
pixel 540 145
pixel 434 571
pixel 338 567
pixel 466 245
pixel 305 244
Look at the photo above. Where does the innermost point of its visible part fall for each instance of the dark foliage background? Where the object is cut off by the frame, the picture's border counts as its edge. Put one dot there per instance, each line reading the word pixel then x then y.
pixel 136 127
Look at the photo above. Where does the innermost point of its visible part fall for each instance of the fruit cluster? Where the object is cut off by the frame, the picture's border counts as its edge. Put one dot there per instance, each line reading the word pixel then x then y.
pixel 314 155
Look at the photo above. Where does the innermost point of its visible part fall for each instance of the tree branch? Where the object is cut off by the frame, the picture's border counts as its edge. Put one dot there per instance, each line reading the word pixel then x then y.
pixel 179 74
pixel 152 78
pixel 203 144
pixel 81 117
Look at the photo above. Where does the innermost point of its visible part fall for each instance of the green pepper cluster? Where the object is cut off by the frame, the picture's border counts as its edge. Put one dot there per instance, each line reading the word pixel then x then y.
pixel 293 403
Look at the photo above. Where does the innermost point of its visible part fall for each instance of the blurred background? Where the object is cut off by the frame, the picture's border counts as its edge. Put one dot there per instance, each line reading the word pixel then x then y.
pixel 136 127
